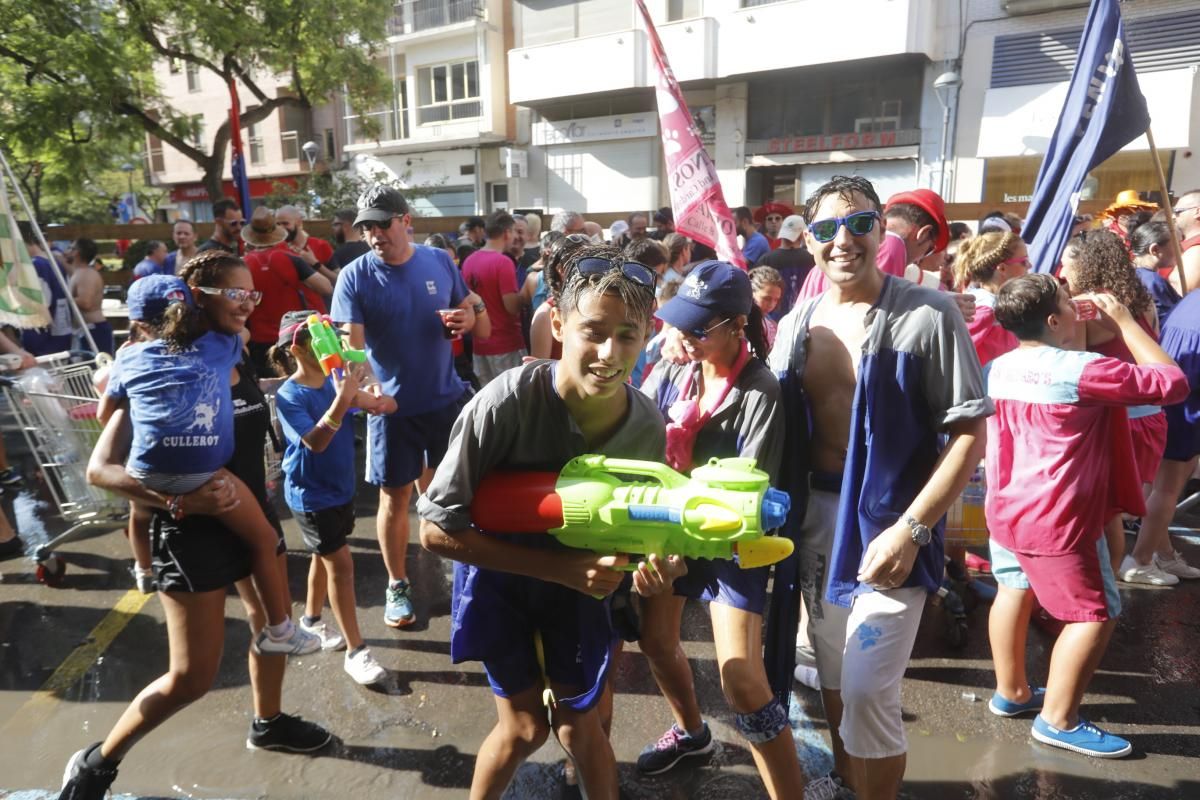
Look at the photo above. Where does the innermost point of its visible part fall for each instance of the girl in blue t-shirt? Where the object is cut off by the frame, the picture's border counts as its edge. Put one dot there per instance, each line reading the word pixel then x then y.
pixel 319 483
pixel 176 384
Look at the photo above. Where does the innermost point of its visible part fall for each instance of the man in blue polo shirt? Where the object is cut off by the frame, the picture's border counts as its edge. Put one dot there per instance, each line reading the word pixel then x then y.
pixel 395 299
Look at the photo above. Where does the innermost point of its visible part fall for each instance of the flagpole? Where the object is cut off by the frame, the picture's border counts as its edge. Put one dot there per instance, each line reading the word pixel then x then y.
pixel 37 231
pixel 1165 195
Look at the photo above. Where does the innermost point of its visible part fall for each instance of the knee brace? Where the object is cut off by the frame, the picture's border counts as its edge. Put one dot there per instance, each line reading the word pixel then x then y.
pixel 759 727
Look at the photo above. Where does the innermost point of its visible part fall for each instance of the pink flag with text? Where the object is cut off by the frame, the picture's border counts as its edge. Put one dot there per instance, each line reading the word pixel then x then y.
pixel 696 196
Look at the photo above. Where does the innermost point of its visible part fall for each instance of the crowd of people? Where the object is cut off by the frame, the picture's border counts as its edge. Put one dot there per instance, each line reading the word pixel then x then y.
pixel 870 360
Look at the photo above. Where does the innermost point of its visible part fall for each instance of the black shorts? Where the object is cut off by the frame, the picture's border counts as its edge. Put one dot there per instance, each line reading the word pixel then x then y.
pixel 199 554
pixel 325 531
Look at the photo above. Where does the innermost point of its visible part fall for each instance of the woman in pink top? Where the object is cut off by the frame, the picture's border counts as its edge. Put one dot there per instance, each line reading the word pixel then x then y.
pixel 984 264
pixel 1099 261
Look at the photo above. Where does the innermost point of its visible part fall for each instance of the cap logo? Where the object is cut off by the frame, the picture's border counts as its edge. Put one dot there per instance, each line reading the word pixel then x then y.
pixel 174 296
pixel 694 287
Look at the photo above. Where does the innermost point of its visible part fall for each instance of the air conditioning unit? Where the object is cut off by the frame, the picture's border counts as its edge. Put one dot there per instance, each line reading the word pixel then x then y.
pixel 876 124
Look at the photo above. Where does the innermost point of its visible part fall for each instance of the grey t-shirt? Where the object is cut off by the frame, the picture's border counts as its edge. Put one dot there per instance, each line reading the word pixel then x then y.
pixel 749 421
pixel 518 421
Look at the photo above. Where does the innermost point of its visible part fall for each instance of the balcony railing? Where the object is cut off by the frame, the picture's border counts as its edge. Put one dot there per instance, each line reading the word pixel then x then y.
pixel 415 16
pixel 391 127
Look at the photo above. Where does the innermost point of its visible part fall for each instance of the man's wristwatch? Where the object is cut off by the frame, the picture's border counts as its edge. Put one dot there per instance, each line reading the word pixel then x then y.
pixel 921 535
pixel 479 307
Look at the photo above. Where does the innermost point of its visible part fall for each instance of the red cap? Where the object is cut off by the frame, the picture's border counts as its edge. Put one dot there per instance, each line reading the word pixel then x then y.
pixel 783 210
pixel 932 204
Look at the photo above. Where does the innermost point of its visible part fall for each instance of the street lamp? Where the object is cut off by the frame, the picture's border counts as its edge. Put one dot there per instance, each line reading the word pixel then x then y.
pixel 311 149
pixel 946 86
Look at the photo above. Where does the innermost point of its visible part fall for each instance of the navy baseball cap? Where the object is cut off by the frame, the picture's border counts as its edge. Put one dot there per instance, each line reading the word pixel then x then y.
pixel 150 297
pixel 712 288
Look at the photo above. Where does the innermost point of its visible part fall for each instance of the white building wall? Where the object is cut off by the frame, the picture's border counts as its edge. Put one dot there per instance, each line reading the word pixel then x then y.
pixel 986 20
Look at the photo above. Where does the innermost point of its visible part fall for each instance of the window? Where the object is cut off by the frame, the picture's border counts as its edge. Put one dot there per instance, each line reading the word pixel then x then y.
pixel 291 126
pixel 193 77
pixel 154 151
pixel 197 132
pixel 548 21
pixel 392 121
pixel 682 9
pixel 448 92
pixel 254 140
pixel 330 145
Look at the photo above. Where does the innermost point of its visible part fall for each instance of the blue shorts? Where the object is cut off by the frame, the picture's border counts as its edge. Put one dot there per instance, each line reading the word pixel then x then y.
pixel 494 618
pixel 724 582
pixel 1183 436
pixel 399 448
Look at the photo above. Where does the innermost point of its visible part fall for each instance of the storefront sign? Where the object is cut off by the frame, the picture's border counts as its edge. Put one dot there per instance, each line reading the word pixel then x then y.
pixel 259 187
pixel 835 141
pixel 594 129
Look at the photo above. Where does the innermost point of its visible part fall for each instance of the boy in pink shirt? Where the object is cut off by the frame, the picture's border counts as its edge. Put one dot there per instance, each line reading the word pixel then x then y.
pixel 1059 465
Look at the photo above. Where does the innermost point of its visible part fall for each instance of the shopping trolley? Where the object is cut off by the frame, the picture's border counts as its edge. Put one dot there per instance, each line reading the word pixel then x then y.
pixel 55 407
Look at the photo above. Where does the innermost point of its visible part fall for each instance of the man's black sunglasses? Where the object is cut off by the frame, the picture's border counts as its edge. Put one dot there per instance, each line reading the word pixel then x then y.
pixel 636 271
pixel 366 225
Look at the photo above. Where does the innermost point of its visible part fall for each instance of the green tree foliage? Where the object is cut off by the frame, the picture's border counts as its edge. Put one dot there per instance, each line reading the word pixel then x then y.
pixel 321 194
pixel 82 71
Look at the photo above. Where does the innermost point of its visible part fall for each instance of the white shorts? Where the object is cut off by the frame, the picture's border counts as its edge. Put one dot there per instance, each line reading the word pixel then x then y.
pixel 488 368
pixel 861 651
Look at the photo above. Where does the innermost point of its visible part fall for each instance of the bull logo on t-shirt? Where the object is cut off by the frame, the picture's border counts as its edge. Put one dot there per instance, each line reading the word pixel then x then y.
pixel 431 286
pixel 206 415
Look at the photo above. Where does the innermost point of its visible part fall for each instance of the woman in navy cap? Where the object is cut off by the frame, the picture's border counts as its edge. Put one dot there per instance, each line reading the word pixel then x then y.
pixel 723 402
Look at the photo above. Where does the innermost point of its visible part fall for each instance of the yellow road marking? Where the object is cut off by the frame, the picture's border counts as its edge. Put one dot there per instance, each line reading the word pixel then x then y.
pixel 81 659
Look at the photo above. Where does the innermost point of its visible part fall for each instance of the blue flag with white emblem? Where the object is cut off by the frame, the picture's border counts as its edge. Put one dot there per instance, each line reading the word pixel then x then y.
pixel 1104 111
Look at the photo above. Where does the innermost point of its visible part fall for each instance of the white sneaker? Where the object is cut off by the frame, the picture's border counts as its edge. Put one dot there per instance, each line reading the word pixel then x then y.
pixel 329 636
pixel 364 668
pixel 1175 565
pixel 807 676
pixel 144 578
pixel 298 643
pixel 1148 574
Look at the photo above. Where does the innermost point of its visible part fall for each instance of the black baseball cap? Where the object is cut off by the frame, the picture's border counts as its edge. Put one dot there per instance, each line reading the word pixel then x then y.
pixel 379 204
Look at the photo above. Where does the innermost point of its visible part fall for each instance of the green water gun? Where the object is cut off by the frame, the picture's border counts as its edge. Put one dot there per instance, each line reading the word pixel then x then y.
pixel 328 346
pixel 724 510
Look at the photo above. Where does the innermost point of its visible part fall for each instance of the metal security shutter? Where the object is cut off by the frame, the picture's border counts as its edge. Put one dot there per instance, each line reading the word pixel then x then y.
pixel 1157 43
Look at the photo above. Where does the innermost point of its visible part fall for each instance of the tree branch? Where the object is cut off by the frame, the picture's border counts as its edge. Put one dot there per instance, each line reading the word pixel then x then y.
pixel 33 68
pixel 153 126
pixel 150 36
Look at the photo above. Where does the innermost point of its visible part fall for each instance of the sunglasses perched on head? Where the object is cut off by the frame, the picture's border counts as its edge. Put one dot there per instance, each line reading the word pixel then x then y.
pixel 236 295
pixel 636 271
pixel 859 223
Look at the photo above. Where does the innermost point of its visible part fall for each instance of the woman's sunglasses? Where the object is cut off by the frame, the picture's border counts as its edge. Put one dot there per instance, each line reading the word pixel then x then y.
pixel 702 333
pixel 860 224
pixel 636 271
pixel 236 295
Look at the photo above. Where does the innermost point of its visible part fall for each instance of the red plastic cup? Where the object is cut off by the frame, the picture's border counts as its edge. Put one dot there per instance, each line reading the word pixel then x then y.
pixel 1086 310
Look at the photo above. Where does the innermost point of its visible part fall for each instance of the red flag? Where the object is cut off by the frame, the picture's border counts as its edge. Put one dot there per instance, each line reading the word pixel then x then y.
pixel 696 196
pixel 237 159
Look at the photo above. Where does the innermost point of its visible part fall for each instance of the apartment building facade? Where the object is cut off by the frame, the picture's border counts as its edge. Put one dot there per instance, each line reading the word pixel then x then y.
pixel 1016 61
pixel 785 94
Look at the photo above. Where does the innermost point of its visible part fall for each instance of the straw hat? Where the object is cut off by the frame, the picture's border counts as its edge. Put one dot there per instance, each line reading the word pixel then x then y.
pixel 1127 202
pixel 262 230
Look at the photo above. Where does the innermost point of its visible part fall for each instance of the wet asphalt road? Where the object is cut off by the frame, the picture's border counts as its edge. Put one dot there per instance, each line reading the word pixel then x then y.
pixel 417 738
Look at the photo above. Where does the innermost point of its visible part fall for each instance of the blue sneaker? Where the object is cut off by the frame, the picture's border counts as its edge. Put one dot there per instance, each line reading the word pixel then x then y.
pixel 674 746
pixel 1085 738
pixel 1001 706
pixel 398 607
